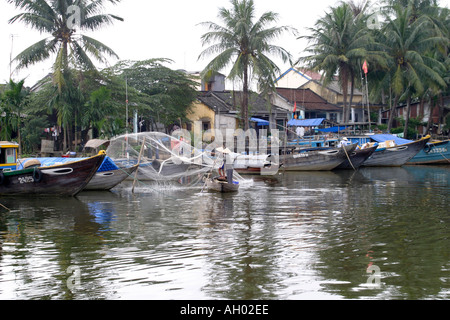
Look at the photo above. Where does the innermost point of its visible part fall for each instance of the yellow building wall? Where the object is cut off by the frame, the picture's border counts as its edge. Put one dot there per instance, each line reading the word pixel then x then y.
pixel 200 112
pixel 331 96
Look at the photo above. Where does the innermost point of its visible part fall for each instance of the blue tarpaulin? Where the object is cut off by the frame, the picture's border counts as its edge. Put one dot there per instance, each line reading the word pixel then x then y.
pixel 333 129
pixel 387 137
pixel 306 123
pixel 260 122
pixel 107 165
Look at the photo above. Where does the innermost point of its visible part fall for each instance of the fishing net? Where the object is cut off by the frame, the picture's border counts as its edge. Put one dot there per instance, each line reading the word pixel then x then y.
pixel 165 158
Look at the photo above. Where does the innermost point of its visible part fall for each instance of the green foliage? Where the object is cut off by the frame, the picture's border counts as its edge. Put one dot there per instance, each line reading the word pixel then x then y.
pixel 165 95
pixel 72 49
pixel 32 133
pixel 244 43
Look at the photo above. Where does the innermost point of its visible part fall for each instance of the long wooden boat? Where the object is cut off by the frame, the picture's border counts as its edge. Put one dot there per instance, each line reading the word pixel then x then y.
pixel 263 165
pixel 107 180
pixel 217 185
pixel 397 155
pixel 315 159
pixel 60 180
pixel 108 175
pixel 357 158
pixel 434 152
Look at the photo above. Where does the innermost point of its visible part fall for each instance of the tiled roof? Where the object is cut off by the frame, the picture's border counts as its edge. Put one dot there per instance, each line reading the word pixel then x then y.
pixel 308 99
pixel 225 101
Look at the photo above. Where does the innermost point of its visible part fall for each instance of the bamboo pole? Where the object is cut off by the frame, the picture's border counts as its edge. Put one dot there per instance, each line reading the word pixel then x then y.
pixel 139 162
pixel 4 207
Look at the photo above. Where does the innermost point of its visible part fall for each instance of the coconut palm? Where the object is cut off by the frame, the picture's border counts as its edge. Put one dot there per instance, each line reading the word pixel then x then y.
pixel 61 19
pixel 244 43
pixel 338 44
pixel 407 38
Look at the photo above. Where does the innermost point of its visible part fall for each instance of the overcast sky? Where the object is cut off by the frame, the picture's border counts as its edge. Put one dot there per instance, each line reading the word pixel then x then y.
pixel 158 29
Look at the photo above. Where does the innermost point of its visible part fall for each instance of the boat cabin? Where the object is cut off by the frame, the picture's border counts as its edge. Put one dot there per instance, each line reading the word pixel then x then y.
pixel 8 155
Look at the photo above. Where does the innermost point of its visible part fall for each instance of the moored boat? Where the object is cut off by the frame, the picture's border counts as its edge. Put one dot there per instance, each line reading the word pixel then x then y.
pixel 108 175
pixel 59 180
pixel 357 158
pixel 264 165
pixel 315 159
pixel 394 154
pixel 434 152
pixel 107 180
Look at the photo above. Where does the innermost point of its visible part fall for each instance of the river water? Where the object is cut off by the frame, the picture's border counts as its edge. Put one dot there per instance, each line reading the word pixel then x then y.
pixel 378 233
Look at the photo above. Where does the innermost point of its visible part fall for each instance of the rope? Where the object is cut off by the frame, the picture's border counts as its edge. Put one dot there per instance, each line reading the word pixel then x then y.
pixel 348 158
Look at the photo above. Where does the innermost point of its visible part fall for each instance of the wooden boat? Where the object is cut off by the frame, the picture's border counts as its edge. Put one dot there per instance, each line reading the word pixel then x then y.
pixel 8 155
pixel 218 184
pixel 107 180
pixel 263 165
pixel 108 175
pixel 357 158
pixel 315 159
pixel 395 155
pixel 434 152
pixel 60 180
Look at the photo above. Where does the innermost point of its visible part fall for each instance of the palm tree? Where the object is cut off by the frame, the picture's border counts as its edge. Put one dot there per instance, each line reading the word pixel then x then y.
pixel 244 43
pixel 15 100
pixel 338 44
pixel 56 17
pixel 407 38
pixel 60 19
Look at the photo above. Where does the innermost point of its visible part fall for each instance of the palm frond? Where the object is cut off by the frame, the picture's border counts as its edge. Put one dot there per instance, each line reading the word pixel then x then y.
pixel 37 52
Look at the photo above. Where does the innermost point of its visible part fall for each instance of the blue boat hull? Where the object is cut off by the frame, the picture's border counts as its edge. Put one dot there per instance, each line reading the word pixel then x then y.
pixel 433 153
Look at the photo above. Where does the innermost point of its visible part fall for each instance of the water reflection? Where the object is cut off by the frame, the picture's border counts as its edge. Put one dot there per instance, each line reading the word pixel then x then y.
pixel 300 236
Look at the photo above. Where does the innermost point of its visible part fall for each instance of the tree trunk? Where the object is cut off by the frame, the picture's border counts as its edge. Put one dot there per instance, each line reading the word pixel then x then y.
pixel 408 111
pixel 430 116
pixel 65 139
pixel 245 100
pixel 19 137
pixel 352 89
pixel 441 114
pixel 344 78
pixel 392 113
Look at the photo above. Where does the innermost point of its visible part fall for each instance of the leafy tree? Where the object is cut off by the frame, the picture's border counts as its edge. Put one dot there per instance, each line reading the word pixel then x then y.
pixel 154 89
pixel 15 100
pixel 407 38
pixel 339 43
pixel 244 43
pixel 60 19
pixel 32 133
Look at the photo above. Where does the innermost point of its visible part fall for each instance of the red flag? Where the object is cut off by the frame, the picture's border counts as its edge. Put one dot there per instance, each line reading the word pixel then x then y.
pixel 364 67
pixel 295 106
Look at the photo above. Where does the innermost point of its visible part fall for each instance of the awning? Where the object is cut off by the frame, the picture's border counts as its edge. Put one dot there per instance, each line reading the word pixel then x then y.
pixel 306 122
pixel 333 129
pixel 107 165
pixel 95 143
pixel 260 122
pixel 387 137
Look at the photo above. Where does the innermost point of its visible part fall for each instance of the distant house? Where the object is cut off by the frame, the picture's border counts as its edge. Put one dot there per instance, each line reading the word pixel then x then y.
pixel 332 93
pixel 310 105
pixel 295 78
pixel 219 109
pixel 421 110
